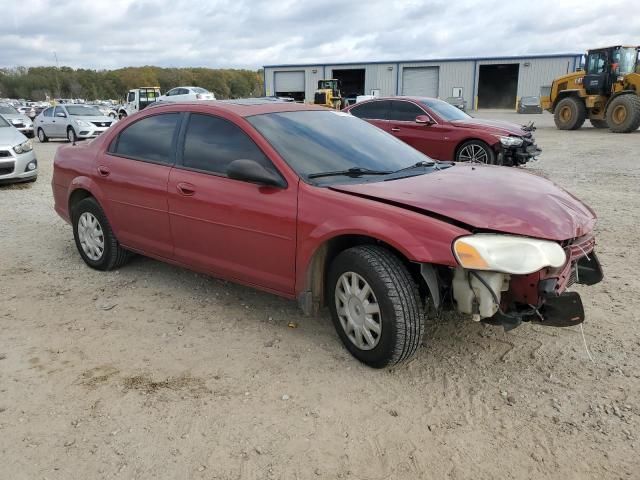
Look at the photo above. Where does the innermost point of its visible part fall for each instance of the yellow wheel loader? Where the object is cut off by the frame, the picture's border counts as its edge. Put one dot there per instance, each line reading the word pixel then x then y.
pixel 607 92
pixel 328 94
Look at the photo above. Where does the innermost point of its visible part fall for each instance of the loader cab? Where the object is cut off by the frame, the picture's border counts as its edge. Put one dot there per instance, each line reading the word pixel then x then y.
pixel 605 65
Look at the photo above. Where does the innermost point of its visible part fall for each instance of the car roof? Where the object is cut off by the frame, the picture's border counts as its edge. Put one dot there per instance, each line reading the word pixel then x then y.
pixel 403 97
pixel 244 107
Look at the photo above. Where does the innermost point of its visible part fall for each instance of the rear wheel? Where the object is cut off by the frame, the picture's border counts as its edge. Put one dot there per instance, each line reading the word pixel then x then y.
pixel 41 136
pixel 623 114
pixel 598 123
pixel 376 308
pixel 94 238
pixel 476 151
pixel 570 113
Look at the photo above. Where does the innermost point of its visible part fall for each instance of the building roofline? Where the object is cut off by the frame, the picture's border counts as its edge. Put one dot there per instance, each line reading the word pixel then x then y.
pixel 432 60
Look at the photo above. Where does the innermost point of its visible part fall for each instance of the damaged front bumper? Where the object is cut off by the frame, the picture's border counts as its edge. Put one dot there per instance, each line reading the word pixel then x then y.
pixel 541 297
pixel 514 156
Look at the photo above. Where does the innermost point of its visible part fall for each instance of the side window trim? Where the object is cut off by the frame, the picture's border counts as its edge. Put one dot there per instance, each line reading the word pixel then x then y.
pixel 112 149
pixel 179 164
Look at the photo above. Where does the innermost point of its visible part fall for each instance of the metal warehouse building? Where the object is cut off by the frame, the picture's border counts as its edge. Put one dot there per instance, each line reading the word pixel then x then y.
pixel 491 82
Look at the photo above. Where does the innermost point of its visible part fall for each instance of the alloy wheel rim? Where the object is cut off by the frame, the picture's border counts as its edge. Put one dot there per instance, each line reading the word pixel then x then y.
pixel 358 311
pixel 91 236
pixel 473 153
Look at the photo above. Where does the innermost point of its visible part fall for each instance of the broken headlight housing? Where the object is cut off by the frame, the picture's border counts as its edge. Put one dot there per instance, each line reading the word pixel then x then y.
pixel 510 141
pixel 507 253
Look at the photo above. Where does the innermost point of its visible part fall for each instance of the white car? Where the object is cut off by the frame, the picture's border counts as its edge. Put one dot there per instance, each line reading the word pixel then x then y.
pixel 71 122
pixel 182 94
pixel 18 161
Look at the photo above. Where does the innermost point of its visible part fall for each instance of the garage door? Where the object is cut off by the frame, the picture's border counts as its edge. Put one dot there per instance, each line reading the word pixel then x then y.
pixel 420 81
pixel 289 81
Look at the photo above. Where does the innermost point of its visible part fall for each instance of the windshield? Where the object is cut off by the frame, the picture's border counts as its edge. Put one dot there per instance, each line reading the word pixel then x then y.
pixel 84 111
pixel 529 100
pixel 313 142
pixel 444 110
pixel 7 110
pixel 626 58
pixel 3 123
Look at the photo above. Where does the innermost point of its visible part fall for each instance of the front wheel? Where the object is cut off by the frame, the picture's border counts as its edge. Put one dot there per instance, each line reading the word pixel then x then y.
pixel 122 115
pixel 623 113
pixel 94 238
pixel 375 306
pixel 476 151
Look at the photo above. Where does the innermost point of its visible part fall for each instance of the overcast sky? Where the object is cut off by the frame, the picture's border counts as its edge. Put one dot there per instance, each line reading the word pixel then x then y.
pixel 105 34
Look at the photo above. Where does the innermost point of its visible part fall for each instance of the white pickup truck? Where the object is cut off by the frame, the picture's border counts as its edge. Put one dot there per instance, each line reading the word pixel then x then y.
pixel 137 99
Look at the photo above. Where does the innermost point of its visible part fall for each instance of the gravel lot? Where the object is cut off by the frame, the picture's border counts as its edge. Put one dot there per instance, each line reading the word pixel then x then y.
pixel 156 372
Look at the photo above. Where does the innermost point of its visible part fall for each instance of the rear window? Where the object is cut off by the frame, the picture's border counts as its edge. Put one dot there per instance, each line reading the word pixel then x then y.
pixel 149 139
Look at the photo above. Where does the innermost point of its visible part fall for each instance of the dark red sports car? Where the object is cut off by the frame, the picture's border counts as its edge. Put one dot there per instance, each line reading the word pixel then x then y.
pixel 445 132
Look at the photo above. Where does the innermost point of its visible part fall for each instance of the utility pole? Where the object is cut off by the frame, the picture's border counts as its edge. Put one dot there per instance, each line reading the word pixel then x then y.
pixel 55 55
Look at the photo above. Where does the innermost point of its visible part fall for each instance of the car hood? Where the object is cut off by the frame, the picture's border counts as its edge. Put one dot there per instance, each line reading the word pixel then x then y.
pixel 492 126
pixel 484 197
pixel 10 137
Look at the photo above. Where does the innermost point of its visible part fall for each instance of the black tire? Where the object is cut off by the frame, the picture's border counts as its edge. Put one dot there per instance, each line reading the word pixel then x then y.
pixel 42 138
pixel 598 123
pixel 570 113
pixel 623 113
pixel 122 115
pixel 71 135
pixel 401 317
pixel 474 145
pixel 113 255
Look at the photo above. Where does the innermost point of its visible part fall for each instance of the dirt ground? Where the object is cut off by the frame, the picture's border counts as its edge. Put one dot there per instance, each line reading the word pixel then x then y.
pixel 154 372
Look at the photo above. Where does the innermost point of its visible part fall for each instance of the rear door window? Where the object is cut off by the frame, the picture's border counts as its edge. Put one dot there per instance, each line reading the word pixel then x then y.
pixel 376 110
pixel 212 143
pixel 48 112
pixel 150 139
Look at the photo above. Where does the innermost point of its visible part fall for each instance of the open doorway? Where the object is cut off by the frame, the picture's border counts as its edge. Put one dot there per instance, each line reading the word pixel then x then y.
pixel 498 85
pixel 352 81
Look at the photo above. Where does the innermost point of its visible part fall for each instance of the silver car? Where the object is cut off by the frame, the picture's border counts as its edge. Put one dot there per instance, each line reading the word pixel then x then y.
pixel 18 161
pixel 17 119
pixel 71 122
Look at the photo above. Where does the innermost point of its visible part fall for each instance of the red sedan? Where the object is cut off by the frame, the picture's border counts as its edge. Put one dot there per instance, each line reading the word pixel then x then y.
pixel 318 205
pixel 445 132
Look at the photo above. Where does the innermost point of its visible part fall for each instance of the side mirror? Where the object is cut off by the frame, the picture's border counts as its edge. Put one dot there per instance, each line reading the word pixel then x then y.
pixel 61 115
pixel 424 120
pixel 252 171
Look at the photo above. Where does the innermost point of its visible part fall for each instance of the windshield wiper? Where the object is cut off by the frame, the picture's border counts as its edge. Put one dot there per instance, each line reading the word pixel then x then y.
pixel 350 172
pixel 423 163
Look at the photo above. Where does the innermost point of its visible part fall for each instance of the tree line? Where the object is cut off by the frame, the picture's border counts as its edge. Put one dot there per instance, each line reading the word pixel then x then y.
pixel 38 83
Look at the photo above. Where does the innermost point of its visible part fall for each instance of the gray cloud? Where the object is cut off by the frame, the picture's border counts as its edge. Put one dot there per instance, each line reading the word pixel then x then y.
pixel 251 33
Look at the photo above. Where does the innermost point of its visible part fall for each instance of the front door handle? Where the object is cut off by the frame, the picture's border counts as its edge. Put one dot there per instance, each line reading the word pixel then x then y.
pixel 395 129
pixel 103 171
pixel 186 189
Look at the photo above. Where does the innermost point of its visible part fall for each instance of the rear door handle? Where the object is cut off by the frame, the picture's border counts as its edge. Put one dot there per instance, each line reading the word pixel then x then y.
pixel 186 189
pixel 395 129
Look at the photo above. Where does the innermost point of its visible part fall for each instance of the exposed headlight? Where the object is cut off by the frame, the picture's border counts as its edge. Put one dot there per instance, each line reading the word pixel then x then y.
pixel 23 147
pixel 82 123
pixel 507 253
pixel 511 141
